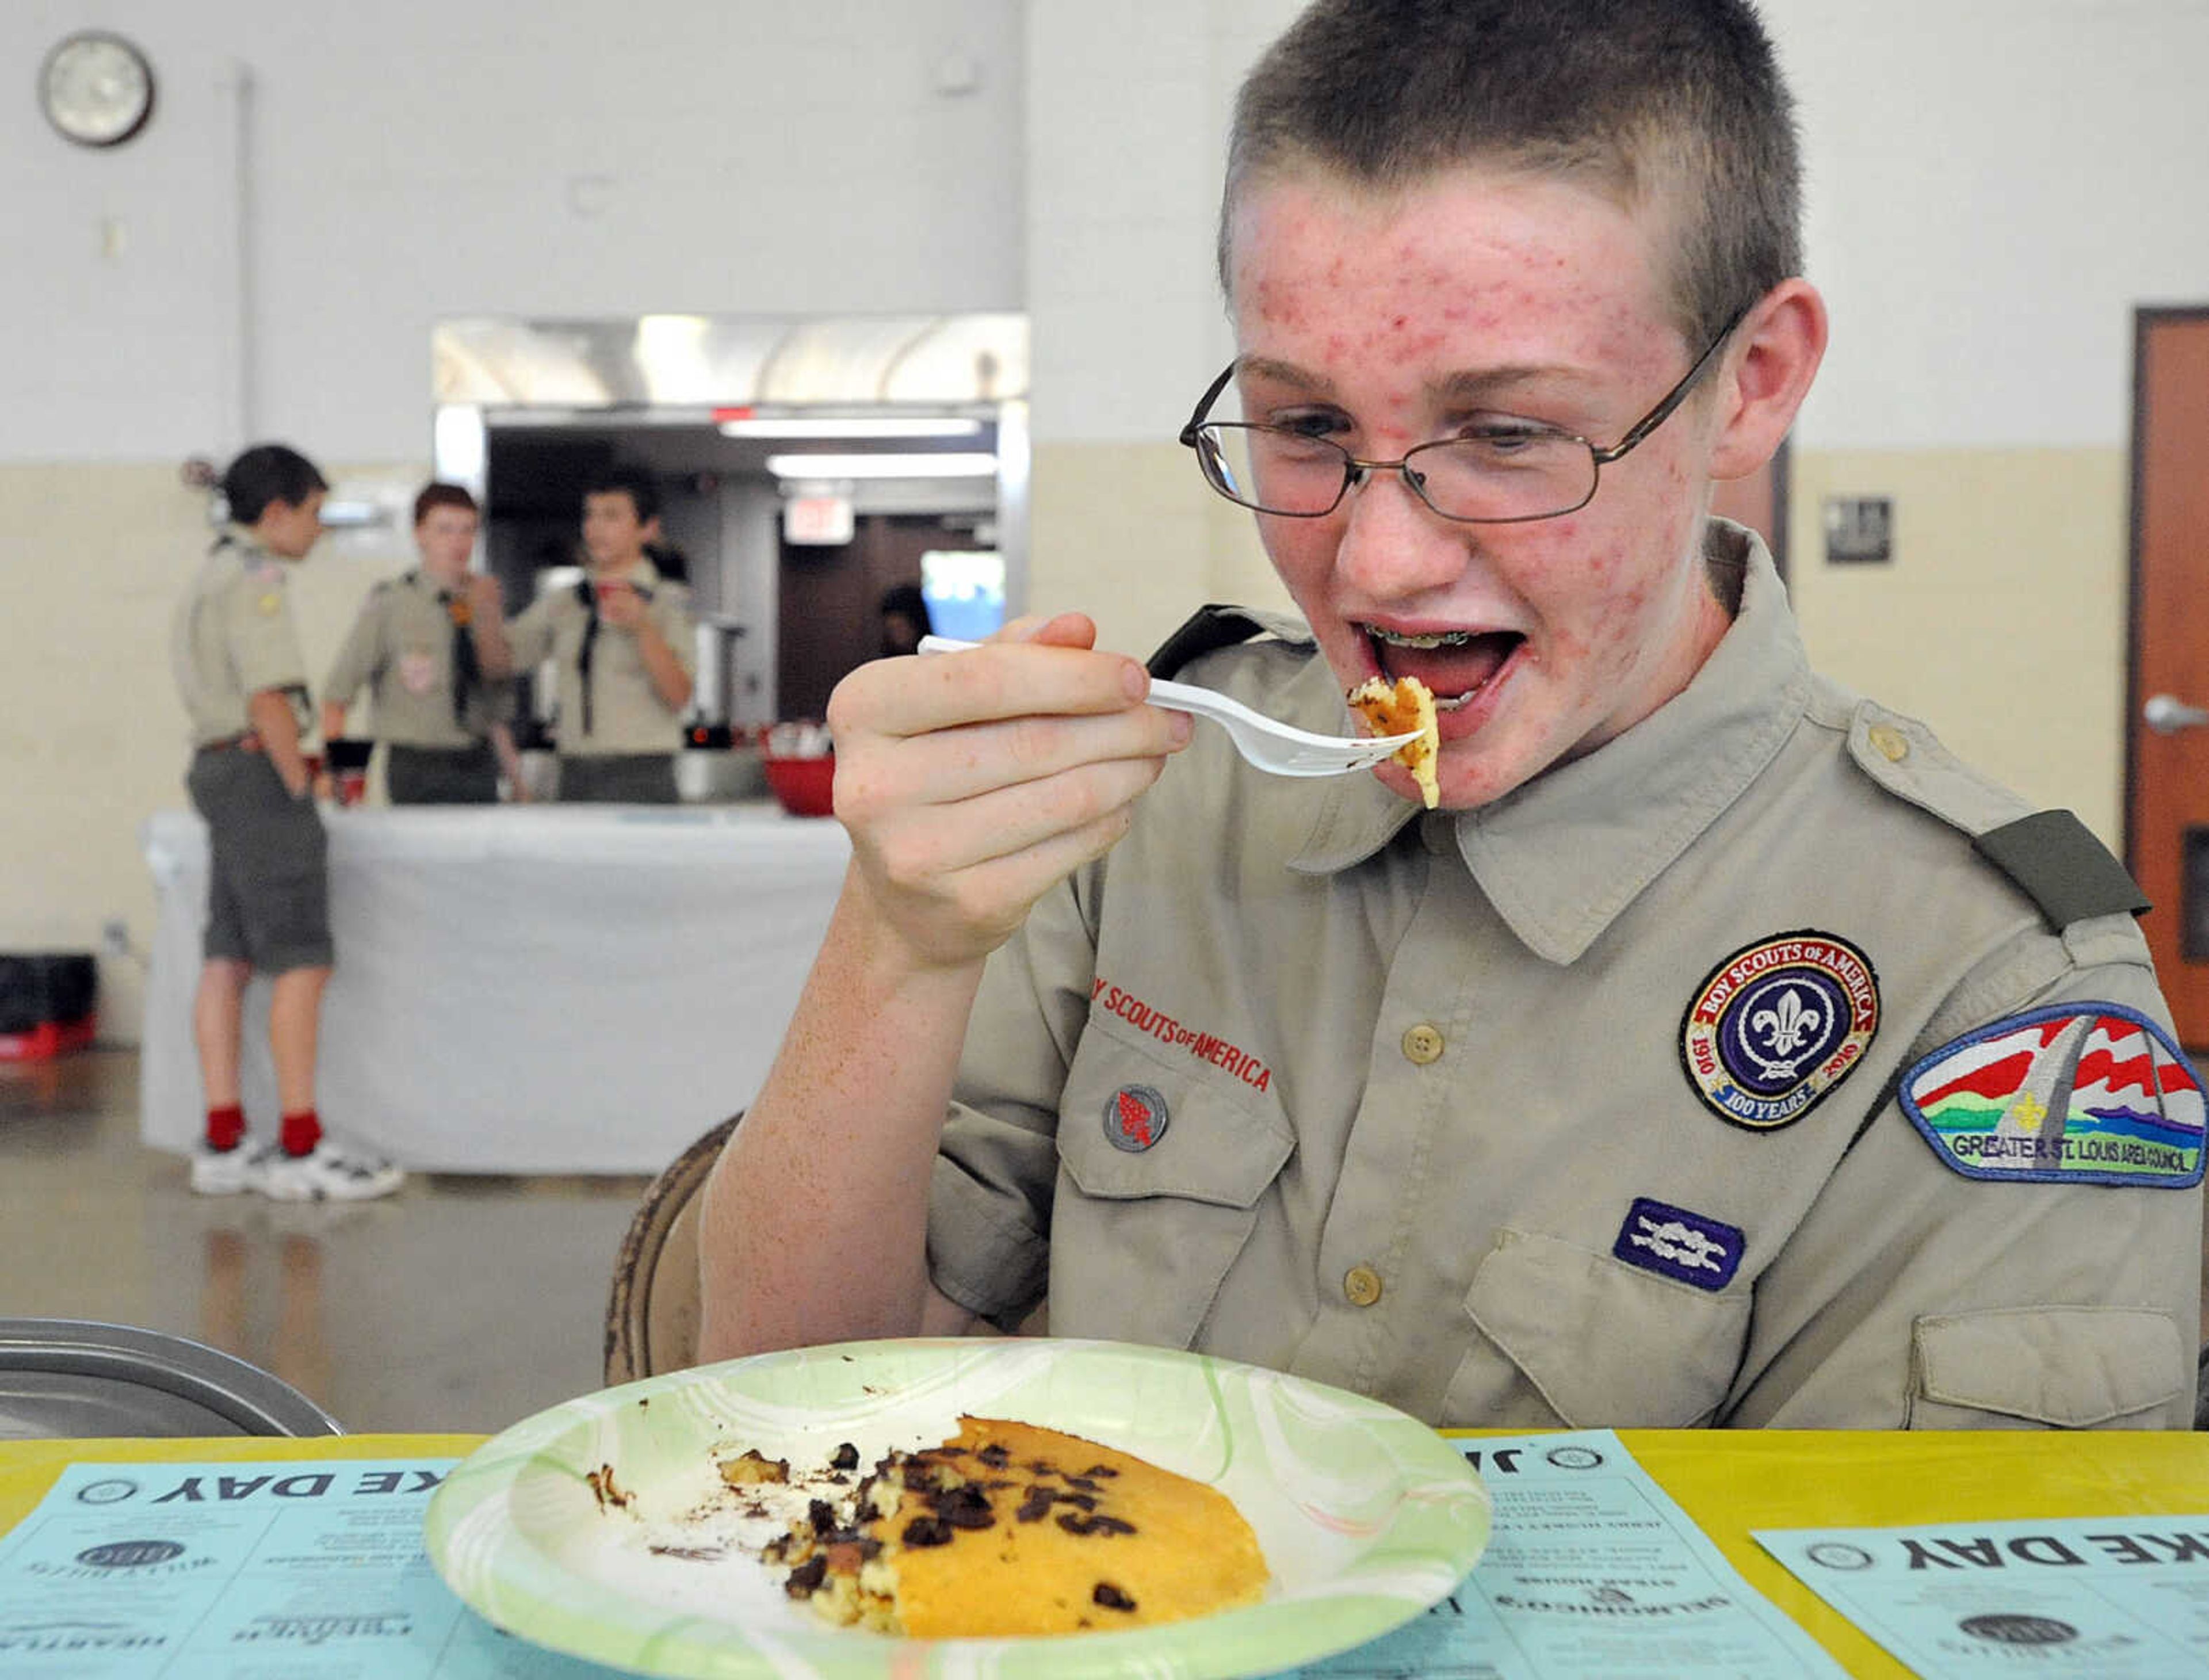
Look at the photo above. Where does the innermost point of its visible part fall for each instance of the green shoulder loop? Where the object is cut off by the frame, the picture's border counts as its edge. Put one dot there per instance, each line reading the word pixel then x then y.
pixel 2050 855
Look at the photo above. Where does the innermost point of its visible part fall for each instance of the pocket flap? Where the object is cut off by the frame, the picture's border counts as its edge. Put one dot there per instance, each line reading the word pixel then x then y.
pixel 1607 1344
pixel 1217 1143
pixel 2071 1367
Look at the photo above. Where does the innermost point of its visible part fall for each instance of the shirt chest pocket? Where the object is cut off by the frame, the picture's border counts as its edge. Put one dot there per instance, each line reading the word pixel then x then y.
pixel 1573 1337
pixel 1161 1169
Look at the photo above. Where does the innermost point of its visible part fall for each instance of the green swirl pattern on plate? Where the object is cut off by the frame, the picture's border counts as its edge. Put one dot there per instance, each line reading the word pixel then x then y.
pixel 1366 1516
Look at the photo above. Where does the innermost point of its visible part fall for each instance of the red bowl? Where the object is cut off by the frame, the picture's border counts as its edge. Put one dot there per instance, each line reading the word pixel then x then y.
pixel 806 786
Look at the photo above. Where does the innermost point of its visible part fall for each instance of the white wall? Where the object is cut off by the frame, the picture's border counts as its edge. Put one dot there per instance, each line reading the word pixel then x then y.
pixel 1993 186
pixel 412 159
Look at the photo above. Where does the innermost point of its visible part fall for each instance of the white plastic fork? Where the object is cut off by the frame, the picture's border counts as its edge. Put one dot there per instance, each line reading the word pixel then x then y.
pixel 1279 749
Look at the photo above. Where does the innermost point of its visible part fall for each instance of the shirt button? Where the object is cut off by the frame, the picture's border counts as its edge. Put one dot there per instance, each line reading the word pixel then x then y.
pixel 1892 743
pixel 1361 1285
pixel 1423 1043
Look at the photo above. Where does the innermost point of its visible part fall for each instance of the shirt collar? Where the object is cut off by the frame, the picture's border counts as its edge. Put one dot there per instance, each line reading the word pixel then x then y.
pixel 1560 857
pixel 240 540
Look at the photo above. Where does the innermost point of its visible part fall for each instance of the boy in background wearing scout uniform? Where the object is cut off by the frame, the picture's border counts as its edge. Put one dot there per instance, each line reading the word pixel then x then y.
pixel 1721 1051
pixel 414 645
pixel 625 646
pixel 245 688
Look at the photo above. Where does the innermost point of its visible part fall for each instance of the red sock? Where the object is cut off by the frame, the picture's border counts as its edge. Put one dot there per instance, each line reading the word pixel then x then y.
pixel 225 1127
pixel 301 1132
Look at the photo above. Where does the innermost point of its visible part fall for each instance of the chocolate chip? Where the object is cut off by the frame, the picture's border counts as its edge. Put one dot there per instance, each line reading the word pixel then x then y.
pixel 964 1507
pixel 996 1457
pixel 1111 1598
pixel 1100 1470
pixel 845 1457
pixel 1035 1507
pixel 1081 1482
pixel 1094 1525
pixel 822 1515
pixel 926 1532
pixel 806 1577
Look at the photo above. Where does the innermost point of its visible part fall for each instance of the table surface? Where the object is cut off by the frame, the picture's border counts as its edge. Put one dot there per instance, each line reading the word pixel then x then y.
pixel 1731 1482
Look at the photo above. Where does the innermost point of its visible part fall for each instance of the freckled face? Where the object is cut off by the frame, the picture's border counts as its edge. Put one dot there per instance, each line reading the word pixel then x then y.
pixel 1392 321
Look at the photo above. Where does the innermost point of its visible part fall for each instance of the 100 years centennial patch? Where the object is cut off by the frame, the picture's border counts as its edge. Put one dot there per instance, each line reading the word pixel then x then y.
pixel 1778 1025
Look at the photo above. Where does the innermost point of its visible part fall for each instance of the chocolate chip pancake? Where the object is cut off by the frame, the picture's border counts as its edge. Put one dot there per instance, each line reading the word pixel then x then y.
pixel 1011 1529
pixel 1394 708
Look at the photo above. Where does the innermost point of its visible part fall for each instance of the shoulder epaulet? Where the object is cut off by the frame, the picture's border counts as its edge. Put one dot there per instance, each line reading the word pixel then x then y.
pixel 2057 862
pixel 2051 856
pixel 1217 626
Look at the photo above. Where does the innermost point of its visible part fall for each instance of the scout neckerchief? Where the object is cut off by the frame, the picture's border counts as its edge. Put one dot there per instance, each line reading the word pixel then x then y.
pixel 467 673
pixel 587 592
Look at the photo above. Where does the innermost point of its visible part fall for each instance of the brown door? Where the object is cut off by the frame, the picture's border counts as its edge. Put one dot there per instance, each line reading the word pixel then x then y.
pixel 2167 760
pixel 829 620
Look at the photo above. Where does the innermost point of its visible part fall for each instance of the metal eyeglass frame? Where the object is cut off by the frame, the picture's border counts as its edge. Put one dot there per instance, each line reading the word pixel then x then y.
pixel 1354 471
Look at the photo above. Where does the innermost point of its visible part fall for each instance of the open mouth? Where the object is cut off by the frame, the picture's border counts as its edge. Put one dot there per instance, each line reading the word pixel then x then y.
pixel 1455 664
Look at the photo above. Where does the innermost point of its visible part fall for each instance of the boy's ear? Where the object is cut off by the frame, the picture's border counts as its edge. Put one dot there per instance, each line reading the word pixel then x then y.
pixel 1767 373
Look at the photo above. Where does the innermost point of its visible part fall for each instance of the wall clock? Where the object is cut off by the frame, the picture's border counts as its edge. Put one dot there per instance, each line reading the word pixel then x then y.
pixel 96 88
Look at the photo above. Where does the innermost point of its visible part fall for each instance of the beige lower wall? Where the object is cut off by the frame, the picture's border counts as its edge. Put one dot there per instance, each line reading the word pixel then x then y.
pixel 92 736
pixel 1129 533
pixel 2001 621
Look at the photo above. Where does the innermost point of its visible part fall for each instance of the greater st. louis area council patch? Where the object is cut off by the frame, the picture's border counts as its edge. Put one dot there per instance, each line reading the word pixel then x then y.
pixel 2075 1093
pixel 1778 1025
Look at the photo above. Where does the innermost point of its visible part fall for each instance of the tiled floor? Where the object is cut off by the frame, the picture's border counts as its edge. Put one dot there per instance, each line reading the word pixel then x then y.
pixel 459 1303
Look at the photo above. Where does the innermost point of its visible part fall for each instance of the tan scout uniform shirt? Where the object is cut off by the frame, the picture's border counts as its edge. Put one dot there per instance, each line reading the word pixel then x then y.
pixel 232 637
pixel 1301 1075
pixel 626 713
pixel 401 646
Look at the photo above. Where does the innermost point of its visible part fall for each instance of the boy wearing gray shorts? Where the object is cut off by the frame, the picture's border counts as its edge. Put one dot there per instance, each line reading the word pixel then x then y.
pixel 239 670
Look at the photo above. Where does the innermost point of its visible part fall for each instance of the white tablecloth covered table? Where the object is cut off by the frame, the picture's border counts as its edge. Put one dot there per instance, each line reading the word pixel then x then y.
pixel 517 989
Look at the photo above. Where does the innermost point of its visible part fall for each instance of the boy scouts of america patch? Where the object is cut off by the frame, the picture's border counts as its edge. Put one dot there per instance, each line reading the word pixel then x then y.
pixel 1777 1026
pixel 2074 1093
pixel 1135 1117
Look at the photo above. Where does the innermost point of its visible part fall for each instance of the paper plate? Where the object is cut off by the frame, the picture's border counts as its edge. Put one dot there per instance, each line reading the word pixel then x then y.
pixel 1366 1516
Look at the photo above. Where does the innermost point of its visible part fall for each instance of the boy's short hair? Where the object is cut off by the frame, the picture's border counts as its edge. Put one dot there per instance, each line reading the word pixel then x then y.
pixel 634 482
pixel 435 496
pixel 268 473
pixel 1677 100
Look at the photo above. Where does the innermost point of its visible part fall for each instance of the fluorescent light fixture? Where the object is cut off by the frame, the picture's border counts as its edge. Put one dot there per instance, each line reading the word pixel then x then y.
pixel 353 516
pixel 850 425
pixel 914 466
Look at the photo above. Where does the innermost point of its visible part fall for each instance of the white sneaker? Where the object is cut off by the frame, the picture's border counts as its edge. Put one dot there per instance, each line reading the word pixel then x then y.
pixel 331 1173
pixel 226 1171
